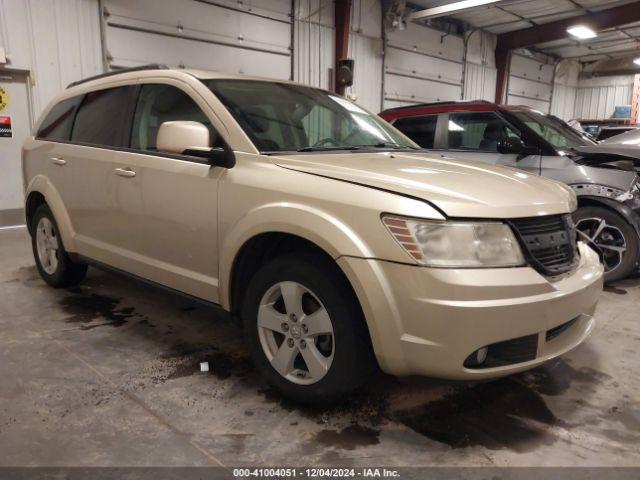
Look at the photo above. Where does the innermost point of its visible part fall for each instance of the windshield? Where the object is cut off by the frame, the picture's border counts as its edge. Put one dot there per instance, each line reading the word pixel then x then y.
pixel 280 117
pixel 553 130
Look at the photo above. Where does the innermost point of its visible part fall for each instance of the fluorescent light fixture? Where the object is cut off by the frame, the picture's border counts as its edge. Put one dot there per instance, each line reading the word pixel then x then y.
pixel 581 32
pixel 450 8
pixel 636 60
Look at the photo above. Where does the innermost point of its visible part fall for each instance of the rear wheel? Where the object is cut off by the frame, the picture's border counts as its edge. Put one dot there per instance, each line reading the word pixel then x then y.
pixel 305 329
pixel 52 260
pixel 610 233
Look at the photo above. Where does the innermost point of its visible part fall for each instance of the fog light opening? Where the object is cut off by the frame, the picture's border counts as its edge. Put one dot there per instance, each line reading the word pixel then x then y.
pixel 481 355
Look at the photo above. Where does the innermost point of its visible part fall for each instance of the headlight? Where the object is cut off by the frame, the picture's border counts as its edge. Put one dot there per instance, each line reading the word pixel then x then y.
pixel 573 201
pixel 456 244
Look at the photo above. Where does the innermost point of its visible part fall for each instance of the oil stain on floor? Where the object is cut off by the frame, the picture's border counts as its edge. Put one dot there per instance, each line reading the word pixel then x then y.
pixel 86 308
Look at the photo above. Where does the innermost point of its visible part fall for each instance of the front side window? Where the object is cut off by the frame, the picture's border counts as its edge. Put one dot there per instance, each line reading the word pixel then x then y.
pixel 160 103
pixel 552 129
pixel 104 118
pixel 57 124
pixel 480 131
pixel 280 117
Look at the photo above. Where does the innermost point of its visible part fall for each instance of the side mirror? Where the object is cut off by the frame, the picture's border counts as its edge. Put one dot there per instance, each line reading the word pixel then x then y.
pixel 193 138
pixel 516 146
pixel 511 145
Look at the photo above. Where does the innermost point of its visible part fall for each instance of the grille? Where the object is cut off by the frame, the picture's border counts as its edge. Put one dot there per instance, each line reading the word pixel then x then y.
pixel 554 332
pixel 549 242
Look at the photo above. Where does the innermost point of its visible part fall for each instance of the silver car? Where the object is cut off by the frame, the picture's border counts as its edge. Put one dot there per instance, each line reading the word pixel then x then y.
pixel 605 177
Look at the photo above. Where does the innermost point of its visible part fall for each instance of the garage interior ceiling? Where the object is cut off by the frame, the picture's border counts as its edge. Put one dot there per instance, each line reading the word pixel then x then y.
pixel 508 16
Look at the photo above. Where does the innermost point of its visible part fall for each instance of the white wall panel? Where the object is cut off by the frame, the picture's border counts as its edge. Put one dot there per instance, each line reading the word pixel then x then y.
pixel 480 82
pixel 237 37
pixel 422 65
pixel 563 103
pixel 314 43
pixel 367 86
pixel 565 85
pixel 596 98
pixel 530 82
pixel 480 71
pixel 314 48
pixel 57 41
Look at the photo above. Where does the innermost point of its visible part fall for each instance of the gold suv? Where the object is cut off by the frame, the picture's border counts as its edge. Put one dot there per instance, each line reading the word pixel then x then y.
pixel 338 242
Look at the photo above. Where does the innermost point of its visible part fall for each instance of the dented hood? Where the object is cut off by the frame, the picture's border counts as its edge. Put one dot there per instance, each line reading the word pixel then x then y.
pixel 460 188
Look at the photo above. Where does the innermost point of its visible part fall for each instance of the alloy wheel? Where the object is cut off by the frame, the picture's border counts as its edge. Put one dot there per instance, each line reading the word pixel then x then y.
pixel 606 237
pixel 296 333
pixel 47 245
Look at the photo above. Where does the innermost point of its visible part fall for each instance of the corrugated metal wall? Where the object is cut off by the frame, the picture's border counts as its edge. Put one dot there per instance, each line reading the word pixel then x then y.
pixel 314 42
pixel 597 97
pixel 252 37
pixel 480 66
pixel 565 88
pixel 57 41
pixel 314 48
pixel 530 82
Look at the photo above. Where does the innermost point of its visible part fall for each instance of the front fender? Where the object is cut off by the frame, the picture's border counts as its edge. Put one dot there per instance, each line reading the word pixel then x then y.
pixel 43 185
pixel 315 225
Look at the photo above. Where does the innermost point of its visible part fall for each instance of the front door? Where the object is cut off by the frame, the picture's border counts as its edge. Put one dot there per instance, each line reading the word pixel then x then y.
pixel 475 136
pixel 174 238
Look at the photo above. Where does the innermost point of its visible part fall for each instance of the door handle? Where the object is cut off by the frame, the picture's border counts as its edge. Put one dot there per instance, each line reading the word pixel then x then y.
pixel 125 172
pixel 58 161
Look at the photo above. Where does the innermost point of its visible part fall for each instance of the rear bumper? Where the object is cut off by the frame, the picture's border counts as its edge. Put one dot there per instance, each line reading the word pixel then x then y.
pixel 426 321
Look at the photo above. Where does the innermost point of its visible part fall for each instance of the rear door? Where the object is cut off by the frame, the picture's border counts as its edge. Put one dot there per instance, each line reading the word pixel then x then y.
pixel 100 131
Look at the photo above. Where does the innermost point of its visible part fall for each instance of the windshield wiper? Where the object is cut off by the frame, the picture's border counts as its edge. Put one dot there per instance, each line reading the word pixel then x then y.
pixel 328 149
pixel 389 145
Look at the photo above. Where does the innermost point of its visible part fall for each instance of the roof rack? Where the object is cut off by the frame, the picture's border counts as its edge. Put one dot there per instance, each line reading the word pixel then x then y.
pixel 151 66
pixel 436 104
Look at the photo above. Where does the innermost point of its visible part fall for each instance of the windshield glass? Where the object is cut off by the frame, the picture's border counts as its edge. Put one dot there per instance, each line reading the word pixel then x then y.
pixel 280 117
pixel 553 130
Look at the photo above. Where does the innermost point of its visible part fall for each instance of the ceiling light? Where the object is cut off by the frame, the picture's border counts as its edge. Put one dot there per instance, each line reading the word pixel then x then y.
pixel 636 60
pixel 582 32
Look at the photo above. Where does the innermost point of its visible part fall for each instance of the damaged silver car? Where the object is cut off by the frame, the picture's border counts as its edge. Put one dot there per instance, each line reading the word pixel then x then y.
pixel 604 176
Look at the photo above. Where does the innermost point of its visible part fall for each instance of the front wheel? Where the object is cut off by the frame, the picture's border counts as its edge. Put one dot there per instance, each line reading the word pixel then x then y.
pixel 610 233
pixel 305 329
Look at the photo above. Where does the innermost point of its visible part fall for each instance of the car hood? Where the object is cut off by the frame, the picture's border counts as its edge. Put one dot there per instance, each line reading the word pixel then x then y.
pixel 609 155
pixel 460 188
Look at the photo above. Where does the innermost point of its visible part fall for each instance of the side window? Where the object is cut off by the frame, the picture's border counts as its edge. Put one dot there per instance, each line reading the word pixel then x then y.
pixel 57 124
pixel 478 131
pixel 157 104
pixel 421 130
pixel 103 118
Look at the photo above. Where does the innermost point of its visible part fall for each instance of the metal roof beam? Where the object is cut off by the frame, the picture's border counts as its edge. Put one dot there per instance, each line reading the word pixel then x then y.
pixel 557 30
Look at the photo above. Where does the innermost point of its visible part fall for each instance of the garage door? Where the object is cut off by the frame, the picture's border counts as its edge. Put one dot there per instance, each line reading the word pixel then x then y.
pixel 422 65
pixel 530 83
pixel 249 37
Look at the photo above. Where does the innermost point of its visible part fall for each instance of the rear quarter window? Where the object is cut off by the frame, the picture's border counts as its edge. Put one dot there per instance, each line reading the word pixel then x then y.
pixel 57 124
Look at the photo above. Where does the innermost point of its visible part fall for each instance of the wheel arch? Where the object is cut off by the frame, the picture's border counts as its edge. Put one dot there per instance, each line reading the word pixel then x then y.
pixel 40 190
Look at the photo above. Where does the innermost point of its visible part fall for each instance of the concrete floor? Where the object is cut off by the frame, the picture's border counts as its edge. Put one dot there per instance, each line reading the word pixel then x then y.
pixel 108 375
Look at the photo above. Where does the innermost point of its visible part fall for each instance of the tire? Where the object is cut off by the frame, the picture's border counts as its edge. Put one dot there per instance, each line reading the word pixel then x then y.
pixel 616 232
pixel 347 359
pixel 52 260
